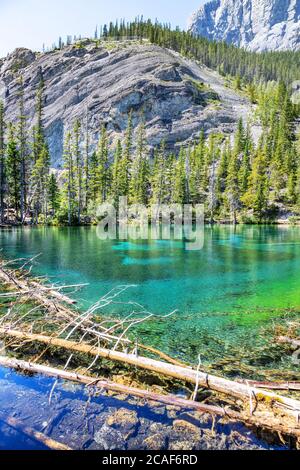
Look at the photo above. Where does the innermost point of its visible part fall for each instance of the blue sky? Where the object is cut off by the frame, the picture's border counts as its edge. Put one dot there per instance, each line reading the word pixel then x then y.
pixel 30 23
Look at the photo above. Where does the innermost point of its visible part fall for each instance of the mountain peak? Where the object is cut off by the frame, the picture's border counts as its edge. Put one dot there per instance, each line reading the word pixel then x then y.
pixel 256 25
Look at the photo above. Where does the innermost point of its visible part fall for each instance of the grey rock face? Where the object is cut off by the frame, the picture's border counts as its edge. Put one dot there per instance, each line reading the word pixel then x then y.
pixel 175 97
pixel 257 25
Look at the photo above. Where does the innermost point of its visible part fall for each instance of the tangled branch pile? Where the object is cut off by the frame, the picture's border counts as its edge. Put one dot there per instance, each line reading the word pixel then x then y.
pixel 40 314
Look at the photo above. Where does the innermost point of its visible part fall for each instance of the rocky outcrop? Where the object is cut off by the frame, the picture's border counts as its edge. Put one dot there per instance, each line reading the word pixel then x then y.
pixel 257 25
pixel 176 97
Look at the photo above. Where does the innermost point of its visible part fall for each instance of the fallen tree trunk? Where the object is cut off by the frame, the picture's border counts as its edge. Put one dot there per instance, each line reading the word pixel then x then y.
pixel 290 386
pixel 108 385
pixel 256 421
pixel 291 341
pixel 32 433
pixel 201 379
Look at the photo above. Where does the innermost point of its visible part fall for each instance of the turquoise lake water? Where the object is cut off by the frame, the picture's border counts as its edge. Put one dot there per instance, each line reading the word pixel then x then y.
pixel 225 293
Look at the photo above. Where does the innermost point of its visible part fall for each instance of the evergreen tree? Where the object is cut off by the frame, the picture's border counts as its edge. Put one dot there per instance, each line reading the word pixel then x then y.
pixel 22 143
pixel 41 161
pixel 158 175
pixel 245 168
pixel 199 171
pixel 87 167
pixel 256 198
pixel 2 163
pixel 94 184
pixel 139 181
pixel 232 186
pixel 126 161
pixel 53 194
pixel 77 159
pixel 222 171
pixel 70 183
pixel 103 167
pixel 214 158
pixel 40 181
pixel 180 182
pixel 116 174
pixel 13 170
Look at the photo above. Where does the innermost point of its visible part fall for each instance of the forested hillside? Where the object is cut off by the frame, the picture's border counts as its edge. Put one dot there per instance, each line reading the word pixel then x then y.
pixel 237 179
pixel 227 59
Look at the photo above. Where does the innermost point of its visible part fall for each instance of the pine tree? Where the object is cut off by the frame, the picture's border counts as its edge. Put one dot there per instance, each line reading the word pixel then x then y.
pixel 94 178
pixel 70 183
pixel 222 171
pixel 22 144
pixel 126 161
pixel 239 139
pixel 292 164
pixel 41 161
pixel 214 158
pixel 2 163
pixel 245 168
pixel 77 159
pixel 139 181
pixel 38 130
pixel 158 176
pixel 115 192
pixel 103 167
pixel 13 170
pixel 297 189
pixel 252 92
pixel 53 194
pixel 232 186
pixel 40 181
pixel 233 190
pixel 87 167
pixel 198 180
pixel 256 198
pixel 180 194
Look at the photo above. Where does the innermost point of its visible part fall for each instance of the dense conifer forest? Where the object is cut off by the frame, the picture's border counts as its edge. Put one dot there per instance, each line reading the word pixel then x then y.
pixel 236 179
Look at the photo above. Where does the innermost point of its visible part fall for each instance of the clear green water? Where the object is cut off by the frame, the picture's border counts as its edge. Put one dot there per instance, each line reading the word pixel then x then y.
pixel 225 294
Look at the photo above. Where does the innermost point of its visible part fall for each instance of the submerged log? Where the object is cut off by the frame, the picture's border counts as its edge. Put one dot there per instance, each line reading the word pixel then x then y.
pixel 292 341
pixel 218 384
pixel 32 433
pixel 289 386
pixel 110 386
pixel 265 422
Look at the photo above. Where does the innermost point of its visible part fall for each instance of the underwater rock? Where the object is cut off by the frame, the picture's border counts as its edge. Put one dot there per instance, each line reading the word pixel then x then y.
pixel 184 436
pixel 125 421
pixel 156 442
pixel 108 438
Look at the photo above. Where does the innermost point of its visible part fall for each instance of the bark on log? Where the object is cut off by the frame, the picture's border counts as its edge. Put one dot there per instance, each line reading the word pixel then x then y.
pixel 292 386
pixel 32 433
pixel 219 384
pixel 292 341
pixel 108 385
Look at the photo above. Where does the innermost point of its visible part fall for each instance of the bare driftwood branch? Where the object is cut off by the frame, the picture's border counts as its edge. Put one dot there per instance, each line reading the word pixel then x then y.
pixel 289 386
